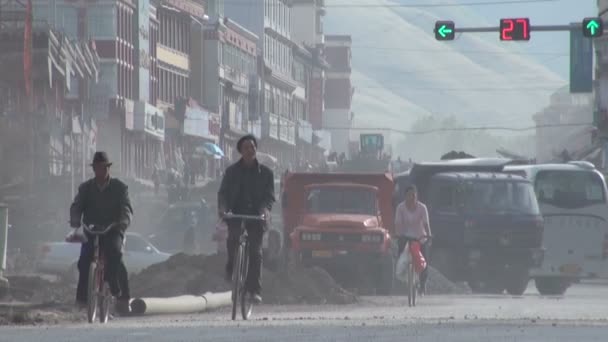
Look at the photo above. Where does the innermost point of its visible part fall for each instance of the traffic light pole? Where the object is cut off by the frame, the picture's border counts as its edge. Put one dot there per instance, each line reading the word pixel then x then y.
pixel 532 28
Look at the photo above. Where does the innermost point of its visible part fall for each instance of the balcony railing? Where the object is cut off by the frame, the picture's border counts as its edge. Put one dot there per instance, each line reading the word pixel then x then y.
pixel 173 57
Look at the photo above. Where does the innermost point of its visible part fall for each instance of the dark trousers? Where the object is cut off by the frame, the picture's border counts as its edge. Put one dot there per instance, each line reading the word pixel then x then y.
pixel 115 271
pixel 255 232
pixel 424 249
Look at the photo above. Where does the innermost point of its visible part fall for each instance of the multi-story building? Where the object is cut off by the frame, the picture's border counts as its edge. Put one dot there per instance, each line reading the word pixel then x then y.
pixel 307 30
pixel 180 59
pixel 131 128
pixel 338 117
pixel 44 136
pixel 564 109
pixel 306 65
pixel 270 20
pixel 307 22
pixel 231 57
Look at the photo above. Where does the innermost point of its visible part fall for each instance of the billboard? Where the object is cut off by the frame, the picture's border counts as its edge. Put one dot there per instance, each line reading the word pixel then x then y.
pixel 143 49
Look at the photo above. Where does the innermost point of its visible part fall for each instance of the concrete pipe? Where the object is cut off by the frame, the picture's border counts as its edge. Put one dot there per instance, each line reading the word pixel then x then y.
pixel 173 305
pixel 218 300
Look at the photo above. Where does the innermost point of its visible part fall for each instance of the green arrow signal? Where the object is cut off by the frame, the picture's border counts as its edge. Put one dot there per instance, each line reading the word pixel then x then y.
pixel 593 26
pixel 444 31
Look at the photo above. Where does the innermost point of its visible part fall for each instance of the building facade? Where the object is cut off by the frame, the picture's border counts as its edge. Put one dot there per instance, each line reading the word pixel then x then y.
pixel 45 133
pixel 180 62
pixel 130 127
pixel 270 20
pixel 564 109
pixel 231 84
pixel 338 117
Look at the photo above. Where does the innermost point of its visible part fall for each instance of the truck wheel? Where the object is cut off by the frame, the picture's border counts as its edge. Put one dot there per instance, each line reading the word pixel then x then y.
pixel 387 275
pixel 552 286
pixel 517 282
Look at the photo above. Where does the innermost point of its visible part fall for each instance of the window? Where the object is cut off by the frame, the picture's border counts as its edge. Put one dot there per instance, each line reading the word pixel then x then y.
pixel 280 16
pixel 569 189
pixel 102 21
pixel 288 16
pixel 341 201
pixel 444 200
pixel 500 196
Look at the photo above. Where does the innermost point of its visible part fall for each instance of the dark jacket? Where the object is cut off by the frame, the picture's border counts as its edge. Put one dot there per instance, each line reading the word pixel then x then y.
pixel 104 206
pixel 228 194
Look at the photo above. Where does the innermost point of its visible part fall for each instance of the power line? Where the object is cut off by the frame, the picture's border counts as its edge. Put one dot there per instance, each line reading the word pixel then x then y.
pixel 419 5
pixel 460 4
pixel 479 90
pixel 456 129
pixel 476 52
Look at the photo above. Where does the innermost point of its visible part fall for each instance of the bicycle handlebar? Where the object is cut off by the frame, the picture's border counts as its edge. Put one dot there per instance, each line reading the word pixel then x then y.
pixel 424 238
pixel 229 216
pixel 91 229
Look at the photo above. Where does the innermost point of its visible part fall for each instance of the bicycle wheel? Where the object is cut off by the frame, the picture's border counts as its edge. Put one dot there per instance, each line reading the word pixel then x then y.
pixel 105 298
pixel 411 285
pixel 92 293
pixel 236 286
pixel 414 284
pixel 246 303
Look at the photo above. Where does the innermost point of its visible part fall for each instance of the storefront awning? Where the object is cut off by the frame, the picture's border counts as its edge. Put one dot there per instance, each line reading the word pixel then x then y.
pixel 267 159
pixel 210 149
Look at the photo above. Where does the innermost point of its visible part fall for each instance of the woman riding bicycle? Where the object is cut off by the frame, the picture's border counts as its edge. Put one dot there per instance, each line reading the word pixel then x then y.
pixel 412 222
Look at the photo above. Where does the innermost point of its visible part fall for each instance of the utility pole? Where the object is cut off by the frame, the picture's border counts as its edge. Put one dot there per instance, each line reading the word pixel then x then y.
pixel 72 151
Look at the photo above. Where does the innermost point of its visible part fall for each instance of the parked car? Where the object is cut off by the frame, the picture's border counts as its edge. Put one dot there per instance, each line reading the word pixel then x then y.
pixel 62 257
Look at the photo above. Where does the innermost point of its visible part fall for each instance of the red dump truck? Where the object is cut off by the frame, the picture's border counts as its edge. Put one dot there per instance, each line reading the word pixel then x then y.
pixel 342 222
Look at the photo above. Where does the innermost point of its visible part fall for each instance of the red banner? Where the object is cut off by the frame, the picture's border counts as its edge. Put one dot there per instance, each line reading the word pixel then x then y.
pixel 27 49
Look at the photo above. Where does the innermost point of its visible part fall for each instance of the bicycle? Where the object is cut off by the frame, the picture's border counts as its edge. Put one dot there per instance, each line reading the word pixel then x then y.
pixel 413 279
pixel 98 293
pixel 241 267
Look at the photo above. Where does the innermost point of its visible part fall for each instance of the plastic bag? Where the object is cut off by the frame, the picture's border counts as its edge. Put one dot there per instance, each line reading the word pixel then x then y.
pixel 402 265
pixel 417 257
pixel 76 236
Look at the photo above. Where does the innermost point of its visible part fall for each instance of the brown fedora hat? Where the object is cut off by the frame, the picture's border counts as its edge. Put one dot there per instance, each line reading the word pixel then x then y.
pixel 101 157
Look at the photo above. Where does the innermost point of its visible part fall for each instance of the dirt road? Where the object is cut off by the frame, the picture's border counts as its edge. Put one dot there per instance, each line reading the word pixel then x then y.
pixel 581 316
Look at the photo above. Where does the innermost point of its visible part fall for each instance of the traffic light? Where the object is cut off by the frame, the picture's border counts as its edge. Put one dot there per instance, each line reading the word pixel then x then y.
pixel 444 30
pixel 593 27
pixel 515 29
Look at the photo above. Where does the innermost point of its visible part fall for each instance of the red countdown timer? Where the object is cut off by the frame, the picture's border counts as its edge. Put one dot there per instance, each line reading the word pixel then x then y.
pixel 515 29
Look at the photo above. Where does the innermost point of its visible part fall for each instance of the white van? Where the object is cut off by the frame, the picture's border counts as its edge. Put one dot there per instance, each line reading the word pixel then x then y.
pixel 573 201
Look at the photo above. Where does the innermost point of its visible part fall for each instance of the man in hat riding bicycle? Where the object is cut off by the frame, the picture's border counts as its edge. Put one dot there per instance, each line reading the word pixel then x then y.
pixel 103 200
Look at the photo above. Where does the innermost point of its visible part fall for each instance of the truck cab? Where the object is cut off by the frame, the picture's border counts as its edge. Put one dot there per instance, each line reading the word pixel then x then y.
pixel 344 223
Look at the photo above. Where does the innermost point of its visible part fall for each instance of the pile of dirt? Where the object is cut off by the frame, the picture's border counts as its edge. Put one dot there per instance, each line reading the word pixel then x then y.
pixel 437 284
pixel 185 274
pixel 40 314
pixel 34 300
pixel 35 289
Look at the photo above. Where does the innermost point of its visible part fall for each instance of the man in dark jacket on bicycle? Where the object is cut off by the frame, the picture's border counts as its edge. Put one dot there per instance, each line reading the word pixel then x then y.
pixel 247 189
pixel 102 201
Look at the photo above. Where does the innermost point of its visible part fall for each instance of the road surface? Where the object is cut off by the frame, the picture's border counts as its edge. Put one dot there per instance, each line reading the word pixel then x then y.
pixel 582 315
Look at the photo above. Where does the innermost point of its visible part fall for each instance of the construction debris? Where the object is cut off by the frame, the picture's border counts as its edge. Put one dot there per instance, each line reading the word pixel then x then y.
pixel 184 274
